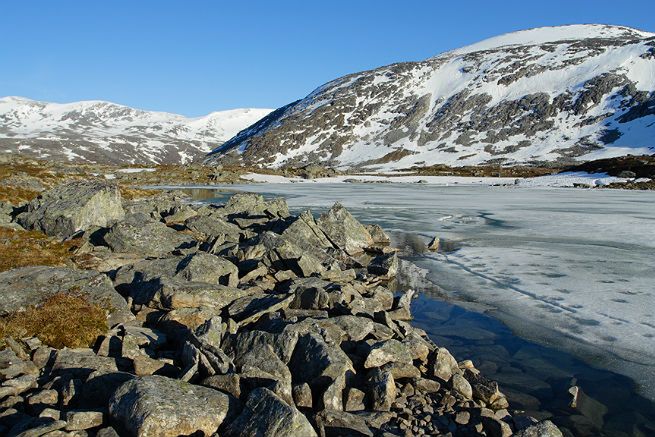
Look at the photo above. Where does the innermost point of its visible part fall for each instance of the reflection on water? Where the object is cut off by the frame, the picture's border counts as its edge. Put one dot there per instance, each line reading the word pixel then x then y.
pixel 535 378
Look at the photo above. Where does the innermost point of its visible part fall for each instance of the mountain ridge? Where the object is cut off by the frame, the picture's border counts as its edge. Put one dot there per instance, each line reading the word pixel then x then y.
pixel 559 94
pixel 99 131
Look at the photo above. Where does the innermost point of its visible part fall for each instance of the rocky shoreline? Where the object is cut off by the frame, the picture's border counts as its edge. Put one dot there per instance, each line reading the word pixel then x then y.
pixel 235 319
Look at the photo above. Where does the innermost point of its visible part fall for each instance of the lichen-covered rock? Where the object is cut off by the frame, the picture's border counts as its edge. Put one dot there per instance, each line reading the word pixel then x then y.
pixel 73 207
pixel 138 234
pixel 541 429
pixel 203 267
pixel 344 231
pixel 254 204
pixel 265 414
pixel 160 406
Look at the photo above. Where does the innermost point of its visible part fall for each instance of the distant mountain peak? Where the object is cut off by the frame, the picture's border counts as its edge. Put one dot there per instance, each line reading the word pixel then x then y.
pixel 552 94
pixel 104 132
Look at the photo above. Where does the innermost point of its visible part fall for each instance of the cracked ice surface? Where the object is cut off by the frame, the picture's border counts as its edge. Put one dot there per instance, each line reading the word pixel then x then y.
pixel 570 268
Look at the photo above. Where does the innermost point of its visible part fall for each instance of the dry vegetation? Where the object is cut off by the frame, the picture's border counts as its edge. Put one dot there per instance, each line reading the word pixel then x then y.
pixel 63 320
pixel 16 195
pixel 131 193
pixel 32 248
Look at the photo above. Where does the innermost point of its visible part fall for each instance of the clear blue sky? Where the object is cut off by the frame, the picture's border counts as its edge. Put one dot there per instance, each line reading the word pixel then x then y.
pixel 194 57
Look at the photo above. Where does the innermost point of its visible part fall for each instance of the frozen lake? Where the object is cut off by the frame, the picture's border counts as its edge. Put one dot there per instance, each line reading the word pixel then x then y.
pixel 569 268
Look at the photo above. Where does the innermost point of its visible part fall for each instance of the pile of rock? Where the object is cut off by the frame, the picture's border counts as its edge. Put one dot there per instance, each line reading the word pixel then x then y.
pixel 238 319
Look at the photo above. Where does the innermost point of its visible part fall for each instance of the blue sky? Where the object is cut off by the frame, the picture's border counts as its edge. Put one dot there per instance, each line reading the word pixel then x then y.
pixel 193 57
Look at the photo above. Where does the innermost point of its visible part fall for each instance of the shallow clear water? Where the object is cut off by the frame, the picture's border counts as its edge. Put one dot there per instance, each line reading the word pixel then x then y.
pixel 564 278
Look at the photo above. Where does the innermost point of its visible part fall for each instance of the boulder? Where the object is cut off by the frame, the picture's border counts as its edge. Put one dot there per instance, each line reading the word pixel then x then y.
pixel 283 344
pixel 382 387
pixel 250 308
pixel 255 204
pixel 175 294
pixel 324 367
pixel 344 231
pixel 444 364
pixel 265 414
pixel 541 429
pixel 72 207
pixel 203 267
pixel 214 228
pixel 378 235
pixel 138 234
pixel 389 351
pixel 384 265
pixel 80 363
pixel 160 406
pixel 26 286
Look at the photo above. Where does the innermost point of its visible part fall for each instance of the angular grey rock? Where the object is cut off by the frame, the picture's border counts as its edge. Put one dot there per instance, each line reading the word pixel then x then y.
pixel 249 308
pixel 462 386
pixel 37 427
pixel 262 368
pixel 541 429
pixel 175 294
pixel 80 420
pixel 325 368
pixel 283 344
pixel 214 228
pixel 203 267
pixel 355 400
pixel 384 265
pixel 341 423
pixel 378 235
pixel 107 432
pixel 444 364
pixel 26 286
pixel 229 383
pixel 80 363
pixel 387 352
pixel 138 234
pixel 254 204
pixel 265 414
pixel 73 207
pixel 160 406
pixel 302 395
pixel 344 231
pixel 382 388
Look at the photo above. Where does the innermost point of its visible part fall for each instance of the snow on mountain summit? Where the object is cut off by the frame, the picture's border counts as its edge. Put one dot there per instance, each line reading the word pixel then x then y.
pixel 543 35
pixel 105 132
pixel 555 94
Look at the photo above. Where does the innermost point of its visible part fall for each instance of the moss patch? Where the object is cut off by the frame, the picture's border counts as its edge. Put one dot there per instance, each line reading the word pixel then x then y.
pixel 32 248
pixel 63 320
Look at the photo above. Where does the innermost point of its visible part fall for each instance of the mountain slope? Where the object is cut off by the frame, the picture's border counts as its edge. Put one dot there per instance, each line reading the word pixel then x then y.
pixel 104 132
pixel 557 94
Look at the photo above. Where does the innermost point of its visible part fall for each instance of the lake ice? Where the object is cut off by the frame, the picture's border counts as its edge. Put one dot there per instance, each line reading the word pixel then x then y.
pixel 571 268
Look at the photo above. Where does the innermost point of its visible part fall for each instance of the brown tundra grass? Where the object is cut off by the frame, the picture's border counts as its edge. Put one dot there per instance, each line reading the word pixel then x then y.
pixel 63 320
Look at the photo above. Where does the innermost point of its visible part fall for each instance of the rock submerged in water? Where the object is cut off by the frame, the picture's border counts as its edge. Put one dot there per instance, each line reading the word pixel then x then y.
pixel 243 320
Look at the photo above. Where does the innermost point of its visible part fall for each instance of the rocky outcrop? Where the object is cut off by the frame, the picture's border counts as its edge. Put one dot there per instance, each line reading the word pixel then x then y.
pixel 73 207
pixel 287 327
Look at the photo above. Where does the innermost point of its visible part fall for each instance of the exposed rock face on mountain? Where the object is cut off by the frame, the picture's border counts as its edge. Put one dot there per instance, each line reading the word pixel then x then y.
pixel 103 132
pixel 555 94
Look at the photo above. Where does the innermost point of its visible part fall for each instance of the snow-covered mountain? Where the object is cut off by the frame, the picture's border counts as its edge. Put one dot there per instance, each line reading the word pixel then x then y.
pixel 556 94
pixel 103 132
